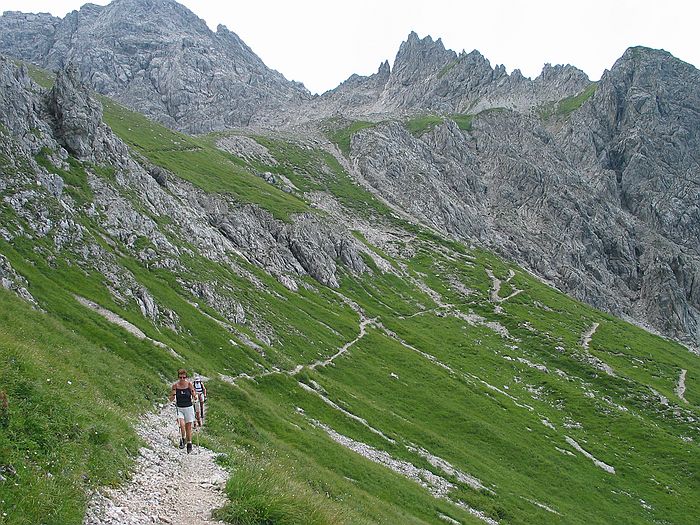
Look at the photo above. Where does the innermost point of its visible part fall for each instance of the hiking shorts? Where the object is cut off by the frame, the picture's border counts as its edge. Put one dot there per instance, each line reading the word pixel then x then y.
pixel 186 413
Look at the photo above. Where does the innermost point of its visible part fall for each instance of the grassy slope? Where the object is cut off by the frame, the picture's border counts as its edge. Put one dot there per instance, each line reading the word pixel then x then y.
pixel 568 105
pixel 197 161
pixel 342 136
pixel 507 446
pixel 286 469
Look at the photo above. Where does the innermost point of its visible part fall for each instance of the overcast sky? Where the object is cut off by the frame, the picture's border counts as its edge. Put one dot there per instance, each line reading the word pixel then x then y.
pixel 321 43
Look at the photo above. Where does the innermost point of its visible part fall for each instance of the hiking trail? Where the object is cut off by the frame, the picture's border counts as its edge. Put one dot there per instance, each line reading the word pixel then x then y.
pixel 168 485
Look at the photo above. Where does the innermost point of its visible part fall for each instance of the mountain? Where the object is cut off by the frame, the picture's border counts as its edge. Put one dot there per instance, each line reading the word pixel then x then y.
pixel 527 174
pixel 603 200
pixel 426 77
pixel 372 289
pixel 157 57
pixel 362 368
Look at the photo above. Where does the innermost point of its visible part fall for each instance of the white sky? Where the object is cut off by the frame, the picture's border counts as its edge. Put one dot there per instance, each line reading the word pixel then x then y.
pixel 321 43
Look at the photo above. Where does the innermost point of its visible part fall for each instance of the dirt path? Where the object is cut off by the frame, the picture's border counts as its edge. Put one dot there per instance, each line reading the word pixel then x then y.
pixel 168 485
pixel 496 287
pixel 589 358
pixel 362 325
pixel 588 335
pixel 346 347
pixel 680 388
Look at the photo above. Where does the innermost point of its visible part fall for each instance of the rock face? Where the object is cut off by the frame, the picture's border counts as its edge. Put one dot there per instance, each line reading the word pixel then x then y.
pixel 640 128
pixel 601 199
pixel 157 57
pixel 427 78
pixel 606 200
pixel 77 119
pixel 63 127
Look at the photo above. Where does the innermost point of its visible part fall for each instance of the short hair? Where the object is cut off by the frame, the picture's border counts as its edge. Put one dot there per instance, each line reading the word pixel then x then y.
pixel 182 371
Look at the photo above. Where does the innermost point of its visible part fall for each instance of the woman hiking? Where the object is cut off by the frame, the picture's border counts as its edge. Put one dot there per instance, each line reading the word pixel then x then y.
pixel 183 392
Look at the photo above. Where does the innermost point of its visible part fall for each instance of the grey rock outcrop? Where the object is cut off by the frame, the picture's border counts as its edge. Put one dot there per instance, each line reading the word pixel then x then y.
pixel 11 280
pixel 640 130
pixel 157 57
pixel 127 205
pixel 641 124
pixel 21 107
pixel 77 116
pixel 607 200
pixel 427 78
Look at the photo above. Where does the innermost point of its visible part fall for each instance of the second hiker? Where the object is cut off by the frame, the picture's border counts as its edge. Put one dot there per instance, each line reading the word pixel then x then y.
pixel 201 391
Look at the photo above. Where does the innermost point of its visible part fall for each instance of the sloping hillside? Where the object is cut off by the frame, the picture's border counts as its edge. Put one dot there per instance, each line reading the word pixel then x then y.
pixel 592 186
pixel 364 369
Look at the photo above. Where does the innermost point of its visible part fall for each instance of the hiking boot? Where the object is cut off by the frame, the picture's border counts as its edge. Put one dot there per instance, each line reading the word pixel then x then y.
pixel 182 442
pixel 189 447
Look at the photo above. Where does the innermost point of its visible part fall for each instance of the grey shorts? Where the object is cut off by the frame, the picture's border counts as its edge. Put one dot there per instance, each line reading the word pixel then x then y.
pixel 186 413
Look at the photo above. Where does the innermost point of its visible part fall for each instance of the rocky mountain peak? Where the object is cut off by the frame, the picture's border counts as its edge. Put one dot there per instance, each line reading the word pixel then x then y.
pixel 161 16
pixel 384 69
pixel 651 69
pixel 418 55
pixel 558 71
pixel 157 57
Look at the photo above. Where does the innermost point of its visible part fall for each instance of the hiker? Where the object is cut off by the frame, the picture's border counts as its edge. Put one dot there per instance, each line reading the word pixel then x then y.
pixel 201 397
pixel 183 392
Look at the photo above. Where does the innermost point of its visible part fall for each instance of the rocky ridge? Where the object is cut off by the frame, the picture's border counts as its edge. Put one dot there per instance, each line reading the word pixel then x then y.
pixel 427 78
pixel 592 203
pixel 603 196
pixel 156 57
pixel 52 128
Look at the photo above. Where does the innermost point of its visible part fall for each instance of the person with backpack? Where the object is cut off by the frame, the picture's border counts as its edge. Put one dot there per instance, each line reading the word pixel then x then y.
pixel 183 393
pixel 201 391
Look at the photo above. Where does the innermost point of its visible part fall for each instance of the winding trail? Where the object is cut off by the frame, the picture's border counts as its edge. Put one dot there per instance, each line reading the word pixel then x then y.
pixel 589 358
pixel 364 321
pixel 496 287
pixel 588 335
pixel 450 309
pixel 680 389
pixel 363 331
pixel 168 485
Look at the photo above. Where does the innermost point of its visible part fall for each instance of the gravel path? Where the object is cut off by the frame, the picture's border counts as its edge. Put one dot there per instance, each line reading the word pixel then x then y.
pixel 588 335
pixel 680 389
pixel 168 485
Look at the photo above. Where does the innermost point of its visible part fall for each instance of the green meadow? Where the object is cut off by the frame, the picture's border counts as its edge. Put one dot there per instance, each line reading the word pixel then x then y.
pixel 450 406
